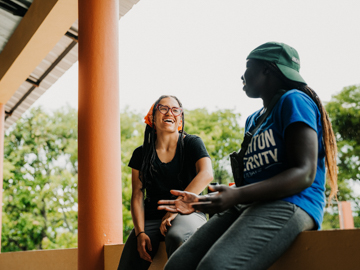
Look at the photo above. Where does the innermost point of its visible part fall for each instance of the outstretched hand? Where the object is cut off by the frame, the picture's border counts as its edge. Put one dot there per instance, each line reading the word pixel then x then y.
pixel 223 200
pixel 183 204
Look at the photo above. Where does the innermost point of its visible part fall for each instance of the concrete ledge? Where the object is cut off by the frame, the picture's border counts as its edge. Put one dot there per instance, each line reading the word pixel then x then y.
pixel 335 249
pixel 56 259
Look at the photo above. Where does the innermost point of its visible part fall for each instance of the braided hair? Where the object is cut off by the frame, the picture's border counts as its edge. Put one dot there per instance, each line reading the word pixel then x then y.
pixel 149 150
pixel 328 133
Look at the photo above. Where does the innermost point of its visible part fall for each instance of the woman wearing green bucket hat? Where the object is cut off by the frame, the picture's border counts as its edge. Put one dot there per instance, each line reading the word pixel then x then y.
pixel 279 173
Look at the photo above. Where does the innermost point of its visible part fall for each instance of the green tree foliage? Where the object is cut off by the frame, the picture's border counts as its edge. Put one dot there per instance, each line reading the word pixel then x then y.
pixel 40 167
pixel 221 132
pixel 132 129
pixel 344 112
pixel 40 171
pixel 40 182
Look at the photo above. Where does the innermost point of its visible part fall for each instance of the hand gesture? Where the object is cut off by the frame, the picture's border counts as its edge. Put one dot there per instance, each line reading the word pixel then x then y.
pixel 143 242
pixel 166 222
pixel 181 205
pixel 225 198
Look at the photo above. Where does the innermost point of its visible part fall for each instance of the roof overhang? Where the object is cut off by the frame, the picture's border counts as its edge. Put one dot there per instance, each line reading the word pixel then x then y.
pixel 42 27
pixel 39 51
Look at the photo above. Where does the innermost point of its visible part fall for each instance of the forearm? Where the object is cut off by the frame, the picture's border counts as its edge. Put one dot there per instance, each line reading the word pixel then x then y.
pixel 203 178
pixel 200 182
pixel 287 183
pixel 138 213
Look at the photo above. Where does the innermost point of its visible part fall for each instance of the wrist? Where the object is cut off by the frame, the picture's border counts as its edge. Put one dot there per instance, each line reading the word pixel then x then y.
pixel 139 233
pixel 240 197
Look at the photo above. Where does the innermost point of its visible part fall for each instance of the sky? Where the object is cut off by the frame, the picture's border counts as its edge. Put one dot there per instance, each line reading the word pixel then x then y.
pixel 196 50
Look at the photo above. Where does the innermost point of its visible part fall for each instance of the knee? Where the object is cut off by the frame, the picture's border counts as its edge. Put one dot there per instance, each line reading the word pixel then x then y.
pixel 174 240
pixel 175 237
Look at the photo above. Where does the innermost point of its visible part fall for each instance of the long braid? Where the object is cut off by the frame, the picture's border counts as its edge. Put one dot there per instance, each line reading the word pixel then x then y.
pixel 328 133
pixel 149 148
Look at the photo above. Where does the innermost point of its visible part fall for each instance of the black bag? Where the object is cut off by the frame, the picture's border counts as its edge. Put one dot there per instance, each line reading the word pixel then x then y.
pixel 237 158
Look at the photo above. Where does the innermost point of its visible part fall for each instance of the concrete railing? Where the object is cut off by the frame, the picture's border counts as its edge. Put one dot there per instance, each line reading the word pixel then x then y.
pixel 336 249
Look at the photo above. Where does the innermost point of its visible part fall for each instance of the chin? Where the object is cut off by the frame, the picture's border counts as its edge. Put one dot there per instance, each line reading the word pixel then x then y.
pixel 251 94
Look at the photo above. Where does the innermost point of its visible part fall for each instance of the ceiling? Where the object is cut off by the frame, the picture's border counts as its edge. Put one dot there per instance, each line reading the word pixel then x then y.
pixel 38 44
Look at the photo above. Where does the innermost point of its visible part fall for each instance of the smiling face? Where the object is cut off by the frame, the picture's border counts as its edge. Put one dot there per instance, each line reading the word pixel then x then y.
pixel 167 122
pixel 253 78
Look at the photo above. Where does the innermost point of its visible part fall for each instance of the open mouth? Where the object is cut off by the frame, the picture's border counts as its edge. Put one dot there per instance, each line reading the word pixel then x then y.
pixel 167 120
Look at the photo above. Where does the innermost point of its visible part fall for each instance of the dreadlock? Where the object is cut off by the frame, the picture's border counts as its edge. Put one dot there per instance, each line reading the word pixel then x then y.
pixel 328 133
pixel 149 150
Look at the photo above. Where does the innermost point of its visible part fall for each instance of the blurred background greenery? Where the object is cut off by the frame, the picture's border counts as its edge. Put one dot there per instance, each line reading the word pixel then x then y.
pixel 40 167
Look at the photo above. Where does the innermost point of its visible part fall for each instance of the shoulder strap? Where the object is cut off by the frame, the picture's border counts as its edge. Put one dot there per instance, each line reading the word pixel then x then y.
pixel 236 158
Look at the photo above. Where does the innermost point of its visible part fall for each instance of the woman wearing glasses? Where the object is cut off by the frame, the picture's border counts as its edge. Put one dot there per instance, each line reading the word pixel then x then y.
pixel 168 159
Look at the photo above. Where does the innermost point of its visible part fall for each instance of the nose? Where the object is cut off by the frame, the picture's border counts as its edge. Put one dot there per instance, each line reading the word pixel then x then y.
pixel 242 77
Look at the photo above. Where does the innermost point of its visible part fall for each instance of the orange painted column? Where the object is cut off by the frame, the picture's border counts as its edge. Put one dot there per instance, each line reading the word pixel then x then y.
pixel 345 215
pixel 2 133
pixel 99 164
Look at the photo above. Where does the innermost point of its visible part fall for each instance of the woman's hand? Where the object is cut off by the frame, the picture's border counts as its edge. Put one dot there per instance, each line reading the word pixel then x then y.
pixel 143 242
pixel 225 198
pixel 181 205
pixel 166 222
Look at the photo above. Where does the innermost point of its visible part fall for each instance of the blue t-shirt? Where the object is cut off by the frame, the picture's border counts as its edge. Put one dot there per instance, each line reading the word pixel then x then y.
pixel 266 155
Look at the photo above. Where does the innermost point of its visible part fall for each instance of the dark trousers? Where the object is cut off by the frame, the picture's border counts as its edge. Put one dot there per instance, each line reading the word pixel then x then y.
pixel 182 227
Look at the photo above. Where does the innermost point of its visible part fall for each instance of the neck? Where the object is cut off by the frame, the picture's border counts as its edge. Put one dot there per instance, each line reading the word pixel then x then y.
pixel 269 94
pixel 273 87
pixel 166 141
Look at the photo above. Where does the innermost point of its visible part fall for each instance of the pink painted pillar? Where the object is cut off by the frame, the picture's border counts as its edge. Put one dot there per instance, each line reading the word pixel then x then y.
pixel 100 204
pixel 345 215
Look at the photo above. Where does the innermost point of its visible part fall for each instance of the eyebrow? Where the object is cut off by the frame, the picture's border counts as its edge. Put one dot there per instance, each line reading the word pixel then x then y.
pixel 168 106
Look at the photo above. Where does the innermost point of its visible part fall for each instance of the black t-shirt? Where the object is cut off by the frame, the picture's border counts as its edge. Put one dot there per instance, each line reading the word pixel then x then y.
pixel 166 176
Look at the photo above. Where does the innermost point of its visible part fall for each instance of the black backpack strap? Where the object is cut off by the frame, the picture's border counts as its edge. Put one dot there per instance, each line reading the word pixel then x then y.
pixel 237 158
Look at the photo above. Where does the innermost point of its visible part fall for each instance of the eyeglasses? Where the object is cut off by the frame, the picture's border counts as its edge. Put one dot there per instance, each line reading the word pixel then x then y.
pixel 163 109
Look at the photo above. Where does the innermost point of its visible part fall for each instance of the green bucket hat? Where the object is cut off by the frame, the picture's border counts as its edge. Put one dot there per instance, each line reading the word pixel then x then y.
pixel 285 57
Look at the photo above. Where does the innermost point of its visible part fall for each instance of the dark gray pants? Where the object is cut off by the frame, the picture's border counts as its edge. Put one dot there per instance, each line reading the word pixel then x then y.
pixel 182 227
pixel 249 237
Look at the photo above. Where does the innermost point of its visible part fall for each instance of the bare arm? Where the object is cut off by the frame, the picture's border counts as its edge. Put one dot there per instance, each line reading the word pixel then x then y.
pixel 137 203
pixel 138 216
pixel 203 178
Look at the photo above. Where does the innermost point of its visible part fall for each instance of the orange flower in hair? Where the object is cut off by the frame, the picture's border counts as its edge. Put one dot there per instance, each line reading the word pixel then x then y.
pixel 148 118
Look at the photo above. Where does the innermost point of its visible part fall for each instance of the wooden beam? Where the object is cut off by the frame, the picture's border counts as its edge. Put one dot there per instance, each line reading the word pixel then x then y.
pixel 42 27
